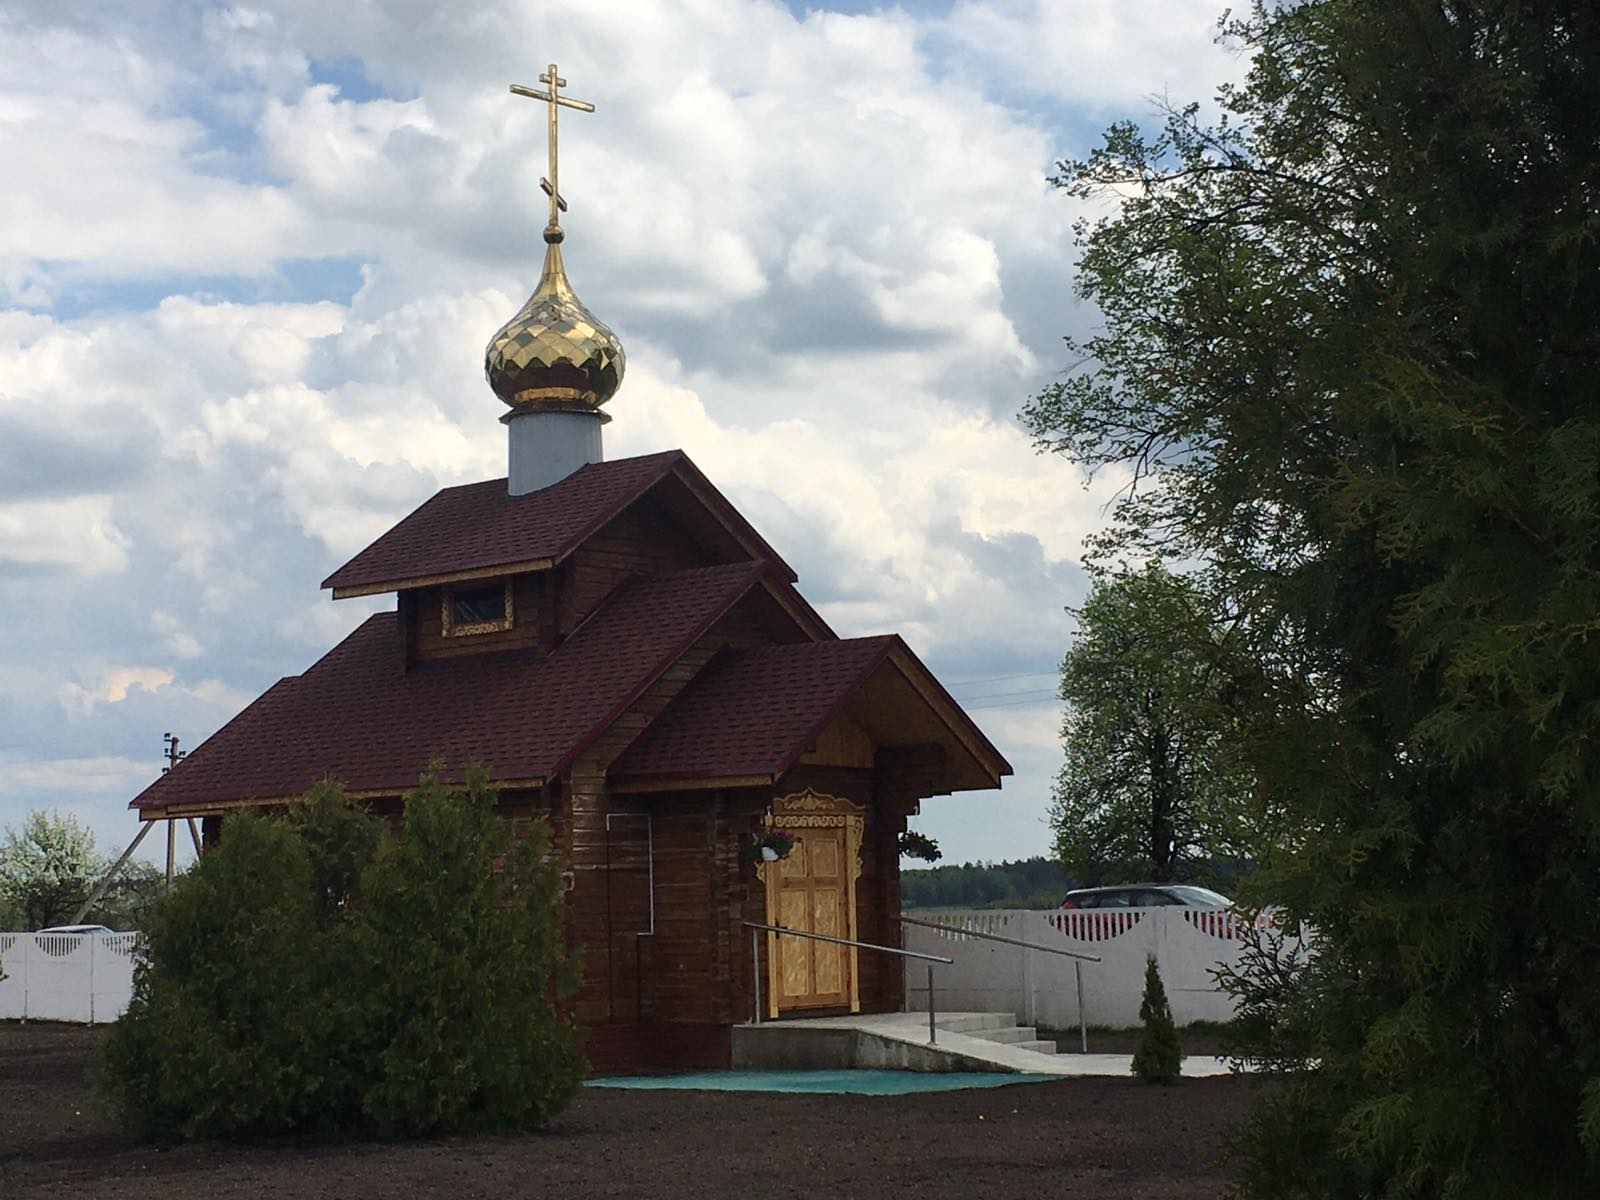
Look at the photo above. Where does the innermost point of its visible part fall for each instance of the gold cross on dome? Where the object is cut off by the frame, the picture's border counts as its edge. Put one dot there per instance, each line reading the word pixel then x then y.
pixel 553 97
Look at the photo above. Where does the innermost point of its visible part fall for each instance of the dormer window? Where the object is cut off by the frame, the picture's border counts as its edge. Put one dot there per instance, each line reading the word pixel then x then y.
pixel 477 608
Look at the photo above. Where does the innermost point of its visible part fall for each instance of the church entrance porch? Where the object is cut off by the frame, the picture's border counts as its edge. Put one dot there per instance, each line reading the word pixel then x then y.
pixel 813 890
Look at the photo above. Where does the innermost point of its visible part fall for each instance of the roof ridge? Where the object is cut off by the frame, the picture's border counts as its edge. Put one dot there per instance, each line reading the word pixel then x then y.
pixel 609 462
pixel 480 526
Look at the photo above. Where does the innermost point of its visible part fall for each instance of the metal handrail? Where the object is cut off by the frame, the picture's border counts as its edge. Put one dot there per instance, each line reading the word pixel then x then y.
pixel 995 937
pixel 756 927
pixel 1077 966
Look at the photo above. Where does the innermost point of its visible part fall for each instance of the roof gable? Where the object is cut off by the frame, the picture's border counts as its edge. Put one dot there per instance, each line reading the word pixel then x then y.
pixel 480 529
pixel 752 714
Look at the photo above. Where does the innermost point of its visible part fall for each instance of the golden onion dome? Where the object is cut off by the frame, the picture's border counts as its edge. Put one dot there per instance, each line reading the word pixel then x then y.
pixel 554 353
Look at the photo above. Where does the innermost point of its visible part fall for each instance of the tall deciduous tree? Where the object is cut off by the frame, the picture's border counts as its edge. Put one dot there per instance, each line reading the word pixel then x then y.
pixel 1152 785
pixel 1350 351
pixel 48 868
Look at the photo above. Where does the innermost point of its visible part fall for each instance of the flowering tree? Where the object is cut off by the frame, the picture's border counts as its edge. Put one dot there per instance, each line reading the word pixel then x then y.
pixel 48 868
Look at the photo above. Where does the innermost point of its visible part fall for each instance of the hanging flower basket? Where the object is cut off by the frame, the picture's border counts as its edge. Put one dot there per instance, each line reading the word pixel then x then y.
pixel 769 845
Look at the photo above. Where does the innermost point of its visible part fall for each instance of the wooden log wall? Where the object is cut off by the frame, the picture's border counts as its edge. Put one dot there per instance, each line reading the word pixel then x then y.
pixel 422 621
pixel 641 541
pixel 602 917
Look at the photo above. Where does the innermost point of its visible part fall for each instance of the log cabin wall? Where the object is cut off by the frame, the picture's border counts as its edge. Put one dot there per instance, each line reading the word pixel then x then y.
pixel 521 807
pixel 619 968
pixel 641 541
pixel 422 622
pixel 697 967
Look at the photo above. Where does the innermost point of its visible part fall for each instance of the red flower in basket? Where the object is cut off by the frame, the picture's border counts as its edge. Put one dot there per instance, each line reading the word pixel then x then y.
pixel 769 845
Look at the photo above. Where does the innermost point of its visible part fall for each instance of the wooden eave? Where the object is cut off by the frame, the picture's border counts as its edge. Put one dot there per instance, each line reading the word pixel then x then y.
pixel 807 619
pixel 213 808
pixel 728 517
pixel 690 783
pixel 951 713
pixel 401 585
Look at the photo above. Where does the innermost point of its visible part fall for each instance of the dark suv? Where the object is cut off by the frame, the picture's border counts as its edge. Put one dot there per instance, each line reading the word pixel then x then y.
pixel 1145 895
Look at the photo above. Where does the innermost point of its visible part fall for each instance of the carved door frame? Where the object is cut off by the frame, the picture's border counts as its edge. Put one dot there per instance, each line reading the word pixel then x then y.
pixel 810 809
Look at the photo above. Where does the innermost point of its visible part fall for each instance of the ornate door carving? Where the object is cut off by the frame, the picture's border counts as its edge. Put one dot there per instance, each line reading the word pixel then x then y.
pixel 814 889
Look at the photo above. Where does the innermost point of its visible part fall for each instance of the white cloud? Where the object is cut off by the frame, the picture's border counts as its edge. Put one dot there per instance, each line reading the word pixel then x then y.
pixel 78 534
pixel 122 683
pixel 1100 53
pixel 102 773
pixel 112 688
pixel 825 240
pixel 175 638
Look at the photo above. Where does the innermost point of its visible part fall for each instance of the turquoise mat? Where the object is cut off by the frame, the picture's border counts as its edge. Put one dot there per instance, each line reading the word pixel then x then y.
pixel 857 1082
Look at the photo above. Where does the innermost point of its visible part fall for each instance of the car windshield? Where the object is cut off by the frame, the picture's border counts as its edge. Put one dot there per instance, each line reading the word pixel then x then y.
pixel 1205 897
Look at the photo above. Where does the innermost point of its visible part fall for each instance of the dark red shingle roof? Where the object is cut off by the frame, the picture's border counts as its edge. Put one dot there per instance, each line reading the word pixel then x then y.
pixel 480 525
pixel 357 716
pixel 753 712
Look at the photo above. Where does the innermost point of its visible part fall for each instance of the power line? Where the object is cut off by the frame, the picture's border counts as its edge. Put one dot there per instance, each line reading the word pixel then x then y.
pixel 1026 691
pixel 1039 699
pixel 1000 678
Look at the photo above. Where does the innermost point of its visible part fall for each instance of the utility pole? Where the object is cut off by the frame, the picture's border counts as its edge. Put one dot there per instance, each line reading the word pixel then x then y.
pixel 174 757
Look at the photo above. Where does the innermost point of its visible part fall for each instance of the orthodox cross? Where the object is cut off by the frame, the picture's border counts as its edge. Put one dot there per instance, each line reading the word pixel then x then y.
pixel 551 186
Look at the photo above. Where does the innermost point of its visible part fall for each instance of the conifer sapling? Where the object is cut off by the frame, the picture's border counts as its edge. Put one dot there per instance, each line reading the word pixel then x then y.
pixel 1159 1058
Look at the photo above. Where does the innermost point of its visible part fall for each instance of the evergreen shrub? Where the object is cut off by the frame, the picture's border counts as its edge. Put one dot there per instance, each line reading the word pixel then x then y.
pixel 1159 1057
pixel 316 973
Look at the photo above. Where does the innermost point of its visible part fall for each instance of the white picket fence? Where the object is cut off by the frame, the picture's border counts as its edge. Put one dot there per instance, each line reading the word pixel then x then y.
pixel 1188 944
pixel 84 977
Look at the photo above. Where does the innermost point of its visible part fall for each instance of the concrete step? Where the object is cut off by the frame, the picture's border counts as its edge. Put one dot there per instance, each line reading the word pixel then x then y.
pixel 974 1022
pixel 1017 1033
pixel 1036 1046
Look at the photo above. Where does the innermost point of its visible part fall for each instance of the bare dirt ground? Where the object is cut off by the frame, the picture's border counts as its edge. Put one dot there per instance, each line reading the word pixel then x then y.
pixel 1200 1041
pixel 1113 1139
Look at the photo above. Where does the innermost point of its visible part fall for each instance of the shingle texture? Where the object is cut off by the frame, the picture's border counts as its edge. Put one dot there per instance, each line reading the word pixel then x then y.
pixel 480 525
pixel 358 716
pixel 753 712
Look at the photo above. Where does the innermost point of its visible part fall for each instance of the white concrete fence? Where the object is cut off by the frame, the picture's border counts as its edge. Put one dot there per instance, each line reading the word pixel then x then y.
pixel 89 977
pixel 84 977
pixel 1188 944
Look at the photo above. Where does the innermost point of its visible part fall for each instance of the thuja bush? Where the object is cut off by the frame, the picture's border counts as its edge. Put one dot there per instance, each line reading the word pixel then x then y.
pixel 1159 1057
pixel 318 973
pixel 228 1027
pixel 458 931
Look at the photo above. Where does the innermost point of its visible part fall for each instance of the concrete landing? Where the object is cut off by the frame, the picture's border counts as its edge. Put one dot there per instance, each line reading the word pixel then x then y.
pixel 900 1040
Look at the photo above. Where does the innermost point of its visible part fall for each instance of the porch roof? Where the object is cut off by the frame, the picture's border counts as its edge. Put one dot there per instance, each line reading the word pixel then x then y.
pixel 752 714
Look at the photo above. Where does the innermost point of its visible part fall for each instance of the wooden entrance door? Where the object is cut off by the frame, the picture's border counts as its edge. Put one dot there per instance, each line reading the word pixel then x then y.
pixel 813 894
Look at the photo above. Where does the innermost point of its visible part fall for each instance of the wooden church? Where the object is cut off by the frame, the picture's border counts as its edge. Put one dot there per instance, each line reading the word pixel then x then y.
pixel 633 663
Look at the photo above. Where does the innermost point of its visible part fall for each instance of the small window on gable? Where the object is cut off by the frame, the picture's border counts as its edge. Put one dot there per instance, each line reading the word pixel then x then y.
pixel 477 608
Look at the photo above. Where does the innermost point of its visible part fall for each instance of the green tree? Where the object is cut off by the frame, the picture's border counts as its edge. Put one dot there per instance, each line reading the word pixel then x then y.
pixel 459 929
pixel 130 897
pixel 228 1030
pixel 48 868
pixel 313 973
pixel 1159 1056
pixel 1349 354
pixel 1153 786
pixel 342 838
pixel 1032 883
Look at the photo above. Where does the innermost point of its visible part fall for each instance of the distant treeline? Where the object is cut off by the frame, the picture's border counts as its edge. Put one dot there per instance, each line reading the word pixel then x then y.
pixel 1031 883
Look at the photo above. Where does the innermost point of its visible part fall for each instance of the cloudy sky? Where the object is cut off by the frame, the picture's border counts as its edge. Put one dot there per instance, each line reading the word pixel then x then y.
pixel 250 256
